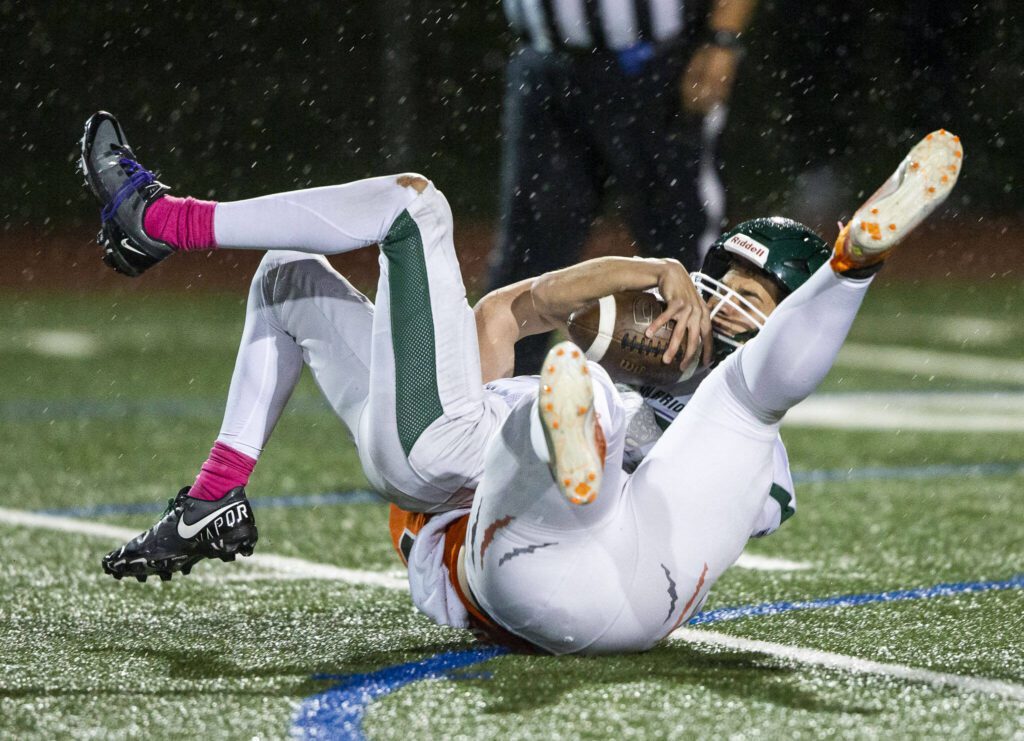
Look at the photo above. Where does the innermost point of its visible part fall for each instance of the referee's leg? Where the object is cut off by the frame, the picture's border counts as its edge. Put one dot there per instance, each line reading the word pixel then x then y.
pixel 665 161
pixel 549 184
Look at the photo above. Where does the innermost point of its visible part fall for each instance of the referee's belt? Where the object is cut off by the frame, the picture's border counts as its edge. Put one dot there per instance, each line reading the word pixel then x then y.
pixel 632 60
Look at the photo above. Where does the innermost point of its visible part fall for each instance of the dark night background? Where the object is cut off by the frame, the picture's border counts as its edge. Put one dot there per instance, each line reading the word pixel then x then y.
pixel 235 99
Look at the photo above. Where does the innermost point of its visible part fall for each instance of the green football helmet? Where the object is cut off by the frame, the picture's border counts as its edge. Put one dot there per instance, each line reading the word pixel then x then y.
pixel 785 250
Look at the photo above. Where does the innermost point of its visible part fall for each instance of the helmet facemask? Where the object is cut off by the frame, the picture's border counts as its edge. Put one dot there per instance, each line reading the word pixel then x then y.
pixel 718 295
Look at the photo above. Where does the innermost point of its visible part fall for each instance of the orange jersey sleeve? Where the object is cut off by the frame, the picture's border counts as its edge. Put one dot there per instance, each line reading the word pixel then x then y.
pixel 405 526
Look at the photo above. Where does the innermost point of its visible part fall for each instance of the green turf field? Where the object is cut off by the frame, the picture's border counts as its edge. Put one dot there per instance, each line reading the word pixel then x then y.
pixel 115 400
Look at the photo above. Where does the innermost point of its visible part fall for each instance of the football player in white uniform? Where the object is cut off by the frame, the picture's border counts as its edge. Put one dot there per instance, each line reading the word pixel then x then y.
pixel 408 378
pixel 404 376
pixel 570 554
pixel 300 310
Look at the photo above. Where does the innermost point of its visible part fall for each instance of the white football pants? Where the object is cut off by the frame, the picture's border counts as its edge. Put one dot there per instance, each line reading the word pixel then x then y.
pixel 404 375
pixel 623 572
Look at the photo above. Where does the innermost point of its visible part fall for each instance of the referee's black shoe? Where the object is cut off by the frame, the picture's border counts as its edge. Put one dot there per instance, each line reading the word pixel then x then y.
pixel 189 531
pixel 124 189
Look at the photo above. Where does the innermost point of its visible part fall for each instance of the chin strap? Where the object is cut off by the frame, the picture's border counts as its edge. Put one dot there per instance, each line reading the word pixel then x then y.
pixel 725 345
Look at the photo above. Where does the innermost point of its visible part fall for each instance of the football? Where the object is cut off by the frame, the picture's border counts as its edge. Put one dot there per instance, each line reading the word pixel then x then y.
pixel 611 332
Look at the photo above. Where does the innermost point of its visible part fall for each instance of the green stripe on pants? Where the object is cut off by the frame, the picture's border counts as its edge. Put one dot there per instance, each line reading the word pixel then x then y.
pixel 785 500
pixel 417 402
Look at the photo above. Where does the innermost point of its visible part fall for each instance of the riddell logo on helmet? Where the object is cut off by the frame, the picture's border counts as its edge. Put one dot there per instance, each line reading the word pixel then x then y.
pixel 747 247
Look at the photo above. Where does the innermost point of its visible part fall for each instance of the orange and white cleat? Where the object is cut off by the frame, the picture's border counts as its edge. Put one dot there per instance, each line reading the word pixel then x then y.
pixel 576 445
pixel 922 181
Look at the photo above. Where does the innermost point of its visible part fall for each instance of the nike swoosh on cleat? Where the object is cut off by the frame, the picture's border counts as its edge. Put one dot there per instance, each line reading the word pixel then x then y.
pixel 189 530
pixel 127 246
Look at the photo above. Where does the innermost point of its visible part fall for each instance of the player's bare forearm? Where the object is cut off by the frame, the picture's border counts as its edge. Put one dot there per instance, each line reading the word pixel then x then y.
pixel 502 317
pixel 541 304
pixel 559 293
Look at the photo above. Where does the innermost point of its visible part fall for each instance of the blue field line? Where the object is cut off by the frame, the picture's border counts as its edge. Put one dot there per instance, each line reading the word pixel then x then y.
pixel 364 496
pixel 337 713
pixel 852 600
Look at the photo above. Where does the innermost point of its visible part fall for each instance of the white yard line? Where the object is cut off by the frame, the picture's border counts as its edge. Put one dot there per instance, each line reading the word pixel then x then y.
pixel 956 412
pixel 286 567
pixel 289 567
pixel 965 365
pixel 279 567
pixel 852 664
pixel 65 524
pixel 770 563
pixel 964 330
pixel 61 343
pixel 972 330
pixel 299 568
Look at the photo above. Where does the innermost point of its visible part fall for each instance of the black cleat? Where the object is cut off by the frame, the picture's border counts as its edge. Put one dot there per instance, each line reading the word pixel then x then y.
pixel 124 189
pixel 190 530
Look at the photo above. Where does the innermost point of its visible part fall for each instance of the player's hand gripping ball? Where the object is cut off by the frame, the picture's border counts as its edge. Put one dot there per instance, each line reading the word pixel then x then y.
pixel 611 332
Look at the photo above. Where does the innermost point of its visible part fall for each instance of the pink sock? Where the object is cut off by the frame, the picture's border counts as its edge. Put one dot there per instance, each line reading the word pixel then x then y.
pixel 184 223
pixel 225 469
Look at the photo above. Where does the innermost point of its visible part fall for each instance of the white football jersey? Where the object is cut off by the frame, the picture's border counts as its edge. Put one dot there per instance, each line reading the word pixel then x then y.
pixel 661 406
pixel 667 403
pixel 511 390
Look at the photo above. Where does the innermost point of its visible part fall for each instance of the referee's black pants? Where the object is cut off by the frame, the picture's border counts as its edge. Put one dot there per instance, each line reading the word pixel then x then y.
pixel 575 125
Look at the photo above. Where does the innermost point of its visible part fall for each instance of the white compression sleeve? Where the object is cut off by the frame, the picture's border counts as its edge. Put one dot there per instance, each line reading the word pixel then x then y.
pixel 266 371
pixel 326 221
pixel 300 310
pixel 795 350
